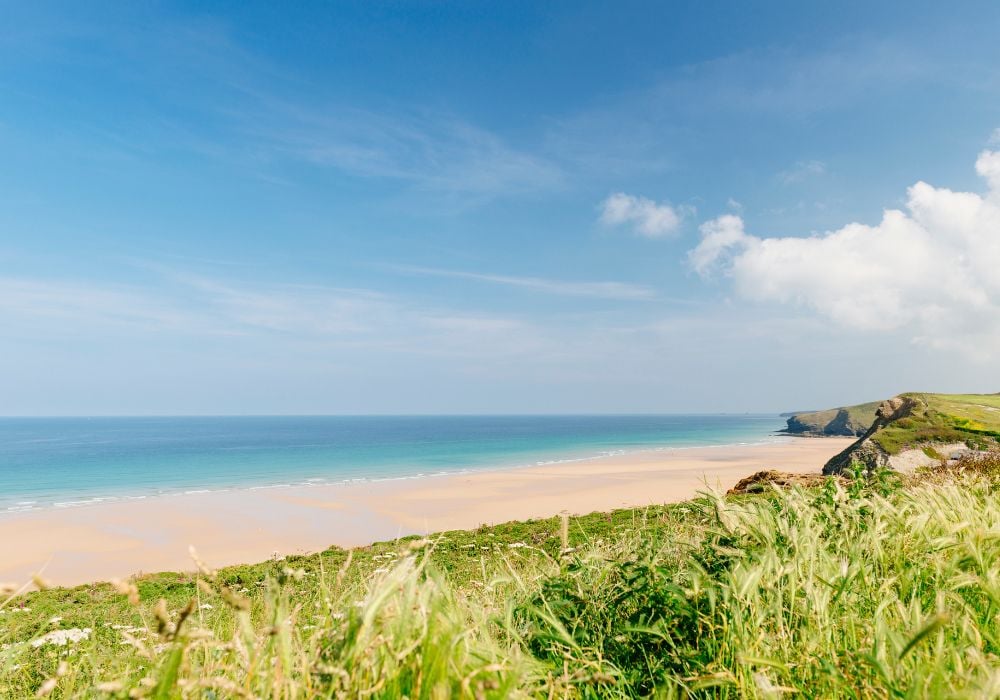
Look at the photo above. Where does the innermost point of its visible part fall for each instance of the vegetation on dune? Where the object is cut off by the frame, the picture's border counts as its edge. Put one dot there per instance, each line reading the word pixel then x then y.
pixel 864 588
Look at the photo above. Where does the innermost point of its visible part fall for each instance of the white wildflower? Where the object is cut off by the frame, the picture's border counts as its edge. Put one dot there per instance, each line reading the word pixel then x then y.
pixel 62 637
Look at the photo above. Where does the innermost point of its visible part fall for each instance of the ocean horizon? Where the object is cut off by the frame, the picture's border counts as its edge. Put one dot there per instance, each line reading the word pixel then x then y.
pixel 76 461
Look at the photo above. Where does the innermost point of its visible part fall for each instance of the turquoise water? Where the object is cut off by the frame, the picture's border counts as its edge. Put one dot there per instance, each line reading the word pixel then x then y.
pixel 64 462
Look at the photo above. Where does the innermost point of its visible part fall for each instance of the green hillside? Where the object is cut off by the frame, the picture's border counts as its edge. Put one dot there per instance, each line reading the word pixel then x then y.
pixel 943 418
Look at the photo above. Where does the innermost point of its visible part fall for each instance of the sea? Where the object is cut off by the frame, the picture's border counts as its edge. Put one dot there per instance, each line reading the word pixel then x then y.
pixel 73 462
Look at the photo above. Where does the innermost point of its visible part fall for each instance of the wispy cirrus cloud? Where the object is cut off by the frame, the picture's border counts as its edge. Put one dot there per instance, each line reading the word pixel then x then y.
pixel 431 151
pixel 68 307
pixel 186 305
pixel 620 291
pixel 219 99
pixel 649 129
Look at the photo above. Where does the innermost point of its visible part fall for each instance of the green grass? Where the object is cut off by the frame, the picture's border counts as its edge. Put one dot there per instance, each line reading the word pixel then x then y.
pixel 870 589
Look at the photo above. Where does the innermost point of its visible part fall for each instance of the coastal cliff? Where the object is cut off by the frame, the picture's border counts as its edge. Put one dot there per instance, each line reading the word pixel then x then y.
pixel 914 430
pixel 849 421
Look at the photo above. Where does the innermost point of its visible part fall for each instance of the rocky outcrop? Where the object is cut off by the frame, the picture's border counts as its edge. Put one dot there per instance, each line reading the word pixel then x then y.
pixel 762 480
pixel 866 451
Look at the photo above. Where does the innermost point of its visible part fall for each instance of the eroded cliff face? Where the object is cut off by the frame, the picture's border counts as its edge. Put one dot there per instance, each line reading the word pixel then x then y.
pixel 868 452
pixel 844 424
pixel 799 427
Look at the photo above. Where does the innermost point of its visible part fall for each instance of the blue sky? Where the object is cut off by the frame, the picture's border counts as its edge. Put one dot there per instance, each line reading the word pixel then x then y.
pixel 365 207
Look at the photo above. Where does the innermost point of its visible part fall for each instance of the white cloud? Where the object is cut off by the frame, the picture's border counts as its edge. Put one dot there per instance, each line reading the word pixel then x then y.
pixel 930 271
pixel 718 237
pixel 988 167
pixel 646 217
pixel 802 170
pixel 995 137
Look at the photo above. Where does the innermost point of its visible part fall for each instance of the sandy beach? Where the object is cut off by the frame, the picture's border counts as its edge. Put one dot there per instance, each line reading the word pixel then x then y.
pixel 79 545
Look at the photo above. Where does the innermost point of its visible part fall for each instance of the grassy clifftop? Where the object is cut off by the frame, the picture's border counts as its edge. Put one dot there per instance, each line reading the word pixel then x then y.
pixel 927 418
pixel 909 429
pixel 943 418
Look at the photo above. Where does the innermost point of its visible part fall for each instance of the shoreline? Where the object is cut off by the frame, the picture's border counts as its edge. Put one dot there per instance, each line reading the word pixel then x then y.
pixel 119 538
pixel 34 506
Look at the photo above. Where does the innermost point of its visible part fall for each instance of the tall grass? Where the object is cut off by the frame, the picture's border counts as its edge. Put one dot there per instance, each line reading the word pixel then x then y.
pixel 860 590
pixel 404 633
pixel 830 593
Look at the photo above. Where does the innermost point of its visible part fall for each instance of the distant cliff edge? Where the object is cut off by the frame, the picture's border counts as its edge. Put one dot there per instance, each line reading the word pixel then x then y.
pixel 852 421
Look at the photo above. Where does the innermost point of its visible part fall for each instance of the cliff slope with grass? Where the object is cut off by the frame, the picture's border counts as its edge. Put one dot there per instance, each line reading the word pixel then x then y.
pixel 846 420
pixel 913 430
